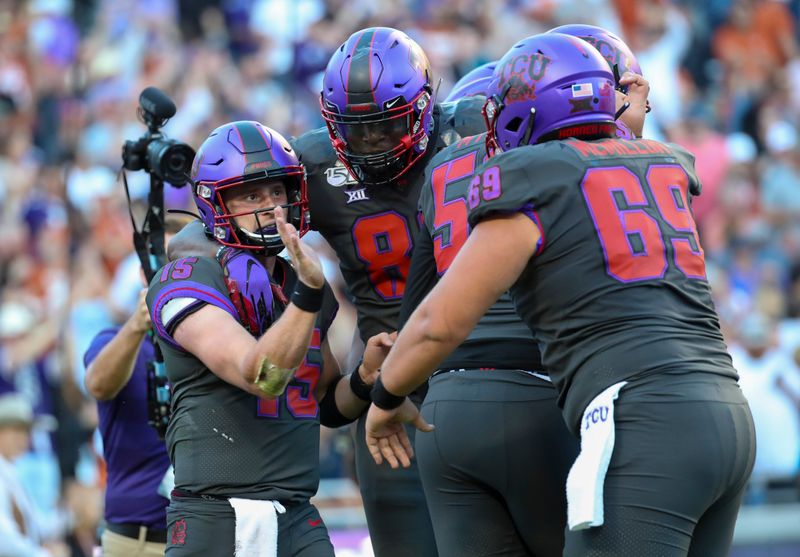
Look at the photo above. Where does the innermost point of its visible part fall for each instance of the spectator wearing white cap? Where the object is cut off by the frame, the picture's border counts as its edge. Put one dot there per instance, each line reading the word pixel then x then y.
pixel 19 529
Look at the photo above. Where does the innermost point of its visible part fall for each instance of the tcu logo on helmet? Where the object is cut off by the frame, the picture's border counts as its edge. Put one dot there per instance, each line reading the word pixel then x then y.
pixel 520 74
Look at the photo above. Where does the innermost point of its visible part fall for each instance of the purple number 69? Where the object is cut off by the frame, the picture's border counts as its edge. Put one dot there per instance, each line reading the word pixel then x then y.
pixel 486 186
pixel 491 183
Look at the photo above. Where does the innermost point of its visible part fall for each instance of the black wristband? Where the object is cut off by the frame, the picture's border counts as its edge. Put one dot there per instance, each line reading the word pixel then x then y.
pixel 357 385
pixel 307 298
pixel 329 414
pixel 383 399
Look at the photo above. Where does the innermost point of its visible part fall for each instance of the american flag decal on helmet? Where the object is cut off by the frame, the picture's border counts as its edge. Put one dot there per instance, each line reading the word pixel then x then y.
pixel 580 90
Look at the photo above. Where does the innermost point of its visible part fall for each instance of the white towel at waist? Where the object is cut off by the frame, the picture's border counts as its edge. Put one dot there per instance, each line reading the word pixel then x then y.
pixel 588 473
pixel 256 527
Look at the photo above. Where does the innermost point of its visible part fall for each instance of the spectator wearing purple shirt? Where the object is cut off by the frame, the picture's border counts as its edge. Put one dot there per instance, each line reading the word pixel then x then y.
pixel 116 375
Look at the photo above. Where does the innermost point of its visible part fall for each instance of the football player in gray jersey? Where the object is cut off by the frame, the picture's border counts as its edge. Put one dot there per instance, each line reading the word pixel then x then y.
pixel 599 247
pixel 244 341
pixel 365 174
pixel 500 454
pixel 499 457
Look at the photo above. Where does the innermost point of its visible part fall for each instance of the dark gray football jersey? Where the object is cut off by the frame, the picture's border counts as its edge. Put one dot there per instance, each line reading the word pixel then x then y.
pixel 372 229
pixel 617 288
pixel 500 339
pixel 221 439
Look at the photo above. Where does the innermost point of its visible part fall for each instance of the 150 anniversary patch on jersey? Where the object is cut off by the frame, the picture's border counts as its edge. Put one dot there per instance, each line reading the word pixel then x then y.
pixel 339 176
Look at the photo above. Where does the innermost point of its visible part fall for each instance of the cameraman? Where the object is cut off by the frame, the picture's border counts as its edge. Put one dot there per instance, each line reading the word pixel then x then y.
pixel 137 461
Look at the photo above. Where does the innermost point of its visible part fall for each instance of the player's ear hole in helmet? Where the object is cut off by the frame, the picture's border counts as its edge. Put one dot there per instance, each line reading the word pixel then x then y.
pixel 549 86
pixel 255 165
pixel 377 101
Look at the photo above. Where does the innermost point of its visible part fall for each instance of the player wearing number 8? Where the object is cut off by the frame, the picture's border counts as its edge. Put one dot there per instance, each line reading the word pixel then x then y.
pixel 383 126
pixel 365 173
pixel 599 248
pixel 244 341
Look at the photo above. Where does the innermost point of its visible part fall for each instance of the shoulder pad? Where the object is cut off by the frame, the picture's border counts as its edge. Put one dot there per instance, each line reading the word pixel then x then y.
pixel 314 148
pixel 467 115
pixel 686 160
pixel 180 288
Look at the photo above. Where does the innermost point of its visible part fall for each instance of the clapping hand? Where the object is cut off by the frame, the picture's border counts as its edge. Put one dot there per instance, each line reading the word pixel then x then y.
pixel 305 261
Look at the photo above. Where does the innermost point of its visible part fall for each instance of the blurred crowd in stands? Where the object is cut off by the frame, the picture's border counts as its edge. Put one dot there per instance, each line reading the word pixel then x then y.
pixel 725 77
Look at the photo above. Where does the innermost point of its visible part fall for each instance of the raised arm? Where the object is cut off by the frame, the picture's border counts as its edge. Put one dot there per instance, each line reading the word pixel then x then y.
pixel 266 365
pixel 111 369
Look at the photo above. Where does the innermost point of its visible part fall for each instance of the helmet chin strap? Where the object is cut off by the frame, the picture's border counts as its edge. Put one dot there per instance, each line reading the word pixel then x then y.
pixel 529 129
pixel 621 110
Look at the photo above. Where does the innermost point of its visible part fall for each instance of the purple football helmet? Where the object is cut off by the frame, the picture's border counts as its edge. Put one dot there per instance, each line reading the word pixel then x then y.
pixel 474 83
pixel 619 57
pixel 378 105
pixel 243 153
pixel 549 86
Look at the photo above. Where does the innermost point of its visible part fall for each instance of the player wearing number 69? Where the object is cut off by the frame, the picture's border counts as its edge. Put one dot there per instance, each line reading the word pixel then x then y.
pixel 595 238
pixel 244 341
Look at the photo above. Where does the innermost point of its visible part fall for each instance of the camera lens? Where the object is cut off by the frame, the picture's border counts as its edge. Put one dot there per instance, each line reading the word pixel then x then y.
pixel 170 160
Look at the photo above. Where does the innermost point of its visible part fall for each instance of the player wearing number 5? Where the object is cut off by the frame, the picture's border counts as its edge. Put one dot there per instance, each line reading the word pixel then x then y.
pixel 599 248
pixel 500 454
pixel 244 342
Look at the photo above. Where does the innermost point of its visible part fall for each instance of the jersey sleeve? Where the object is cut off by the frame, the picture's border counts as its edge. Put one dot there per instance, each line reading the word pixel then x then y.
pixel 502 185
pixel 191 240
pixel 314 149
pixel 315 152
pixel 182 287
pixel 529 180
pixel 686 160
